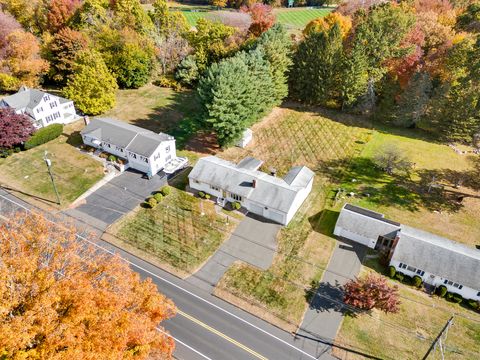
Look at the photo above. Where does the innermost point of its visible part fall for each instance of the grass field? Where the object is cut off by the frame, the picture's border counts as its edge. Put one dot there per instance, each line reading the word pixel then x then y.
pixel 175 231
pixel 290 137
pixel 409 333
pixel 295 18
pixel 159 109
pixel 406 198
pixel 73 171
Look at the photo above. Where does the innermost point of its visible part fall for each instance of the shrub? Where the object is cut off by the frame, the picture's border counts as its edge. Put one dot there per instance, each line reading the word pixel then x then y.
pixel 236 205
pixel 158 197
pixel 407 279
pixel 399 276
pixel 165 191
pixel 456 298
pixel 152 202
pixel 207 196
pixel 392 271
pixel 112 158
pixel 201 194
pixel 44 135
pixel 474 304
pixel 442 291
pixel 417 281
pixel 168 82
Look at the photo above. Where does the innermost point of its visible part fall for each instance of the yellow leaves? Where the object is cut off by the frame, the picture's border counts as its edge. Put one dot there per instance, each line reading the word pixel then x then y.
pixel 327 22
pixel 63 300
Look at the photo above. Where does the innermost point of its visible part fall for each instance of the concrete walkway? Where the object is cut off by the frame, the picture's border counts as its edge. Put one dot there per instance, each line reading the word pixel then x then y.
pixel 253 241
pixel 324 316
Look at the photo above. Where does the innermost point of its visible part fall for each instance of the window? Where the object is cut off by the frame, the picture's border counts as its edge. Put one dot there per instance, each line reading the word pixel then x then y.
pixel 214 188
pixel 450 282
pixel 458 286
pixel 445 281
pixel 167 149
pixel 156 157
pixel 196 181
pixel 236 197
pixel 478 294
pixel 411 268
pixel 118 148
pixel 403 266
pixel 133 155
pixel 461 286
pixel 400 265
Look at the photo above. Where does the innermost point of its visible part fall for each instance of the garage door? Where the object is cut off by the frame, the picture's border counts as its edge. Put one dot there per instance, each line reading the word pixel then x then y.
pixel 277 217
pixel 256 209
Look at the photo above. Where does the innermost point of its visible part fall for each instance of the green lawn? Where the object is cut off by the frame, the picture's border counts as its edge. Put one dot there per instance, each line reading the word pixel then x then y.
pixel 409 333
pixel 73 171
pixel 295 18
pixel 175 231
pixel 159 109
pixel 405 198
pixel 299 17
pixel 285 138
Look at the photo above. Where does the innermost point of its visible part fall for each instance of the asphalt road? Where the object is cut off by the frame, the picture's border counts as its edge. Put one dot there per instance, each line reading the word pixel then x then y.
pixel 207 328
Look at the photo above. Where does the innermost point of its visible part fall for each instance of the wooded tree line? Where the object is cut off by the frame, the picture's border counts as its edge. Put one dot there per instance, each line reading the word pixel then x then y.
pixel 412 64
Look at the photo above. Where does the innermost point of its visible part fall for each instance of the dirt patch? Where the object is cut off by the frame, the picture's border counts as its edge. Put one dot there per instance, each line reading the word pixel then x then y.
pixel 204 142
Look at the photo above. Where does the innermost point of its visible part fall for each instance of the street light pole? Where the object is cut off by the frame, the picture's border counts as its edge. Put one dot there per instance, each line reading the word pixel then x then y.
pixel 48 162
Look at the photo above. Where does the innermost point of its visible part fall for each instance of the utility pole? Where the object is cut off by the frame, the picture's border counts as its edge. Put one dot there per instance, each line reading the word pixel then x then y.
pixel 48 162
pixel 440 341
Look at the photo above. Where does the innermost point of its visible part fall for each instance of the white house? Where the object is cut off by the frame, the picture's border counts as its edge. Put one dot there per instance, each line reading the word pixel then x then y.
pixel 42 108
pixel 437 260
pixel 263 194
pixel 143 149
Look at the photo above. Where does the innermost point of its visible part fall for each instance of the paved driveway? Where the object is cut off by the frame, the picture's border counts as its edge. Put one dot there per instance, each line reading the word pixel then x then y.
pixel 116 198
pixel 324 315
pixel 253 241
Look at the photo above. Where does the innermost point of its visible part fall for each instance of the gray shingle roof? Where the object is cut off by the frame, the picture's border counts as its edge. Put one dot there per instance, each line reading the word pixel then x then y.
pixel 269 191
pixel 366 223
pixel 28 98
pixel 440 256
pixel 250 163
pixel 133 138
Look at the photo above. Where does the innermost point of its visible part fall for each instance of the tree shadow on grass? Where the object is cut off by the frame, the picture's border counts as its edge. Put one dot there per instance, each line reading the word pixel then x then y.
pixel 365 180
pixel 74 139
pixel 324 221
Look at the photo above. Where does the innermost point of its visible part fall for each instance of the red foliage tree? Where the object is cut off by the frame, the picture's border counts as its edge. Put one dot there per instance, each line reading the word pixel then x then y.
pixel 60 12
pixel 8 24
pixel 371 292
pixel 262 18
pixel 14 128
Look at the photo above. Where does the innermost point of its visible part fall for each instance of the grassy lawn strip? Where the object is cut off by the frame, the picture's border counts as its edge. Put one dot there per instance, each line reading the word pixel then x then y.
pixel 409 333
pixel 175 231
pixel 290 137
pixel 160 110
pixel 73 171
pixel 406 198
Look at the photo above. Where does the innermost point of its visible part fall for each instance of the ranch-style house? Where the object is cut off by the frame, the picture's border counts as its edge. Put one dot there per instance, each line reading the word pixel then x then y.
pixel 274 198
pixel 437 260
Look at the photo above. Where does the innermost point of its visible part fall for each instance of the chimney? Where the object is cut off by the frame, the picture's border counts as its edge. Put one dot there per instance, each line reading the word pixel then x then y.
pixel 254 183
pixel 273 171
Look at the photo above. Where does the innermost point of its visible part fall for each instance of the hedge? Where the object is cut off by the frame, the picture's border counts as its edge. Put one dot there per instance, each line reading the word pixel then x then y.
pixel 442 291
pixel 165 191
pixel 158 197
pixel 44 135
pixel 417 281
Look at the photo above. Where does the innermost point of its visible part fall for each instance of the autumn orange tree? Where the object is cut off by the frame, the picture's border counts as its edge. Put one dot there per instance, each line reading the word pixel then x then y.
pixel 60 298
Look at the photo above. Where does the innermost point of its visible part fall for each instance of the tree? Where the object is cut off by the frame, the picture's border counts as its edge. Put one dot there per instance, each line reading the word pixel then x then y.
pixel 277 46
pixel 60 12
pixel 210 42
pixel 262 16
pixel 8 24
pixel 326 23
pixel 62 51
pixel 15 128
pixel 63 299
pixel 22 59
pixel 187 71
pixel 166 21
pixel 219 3
pixel 469 20
pixel 235 93
pixel 91 86
pixel 170 50
pixel 390 158
pixel 314 77
pixel 131 14
pixel 372 292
